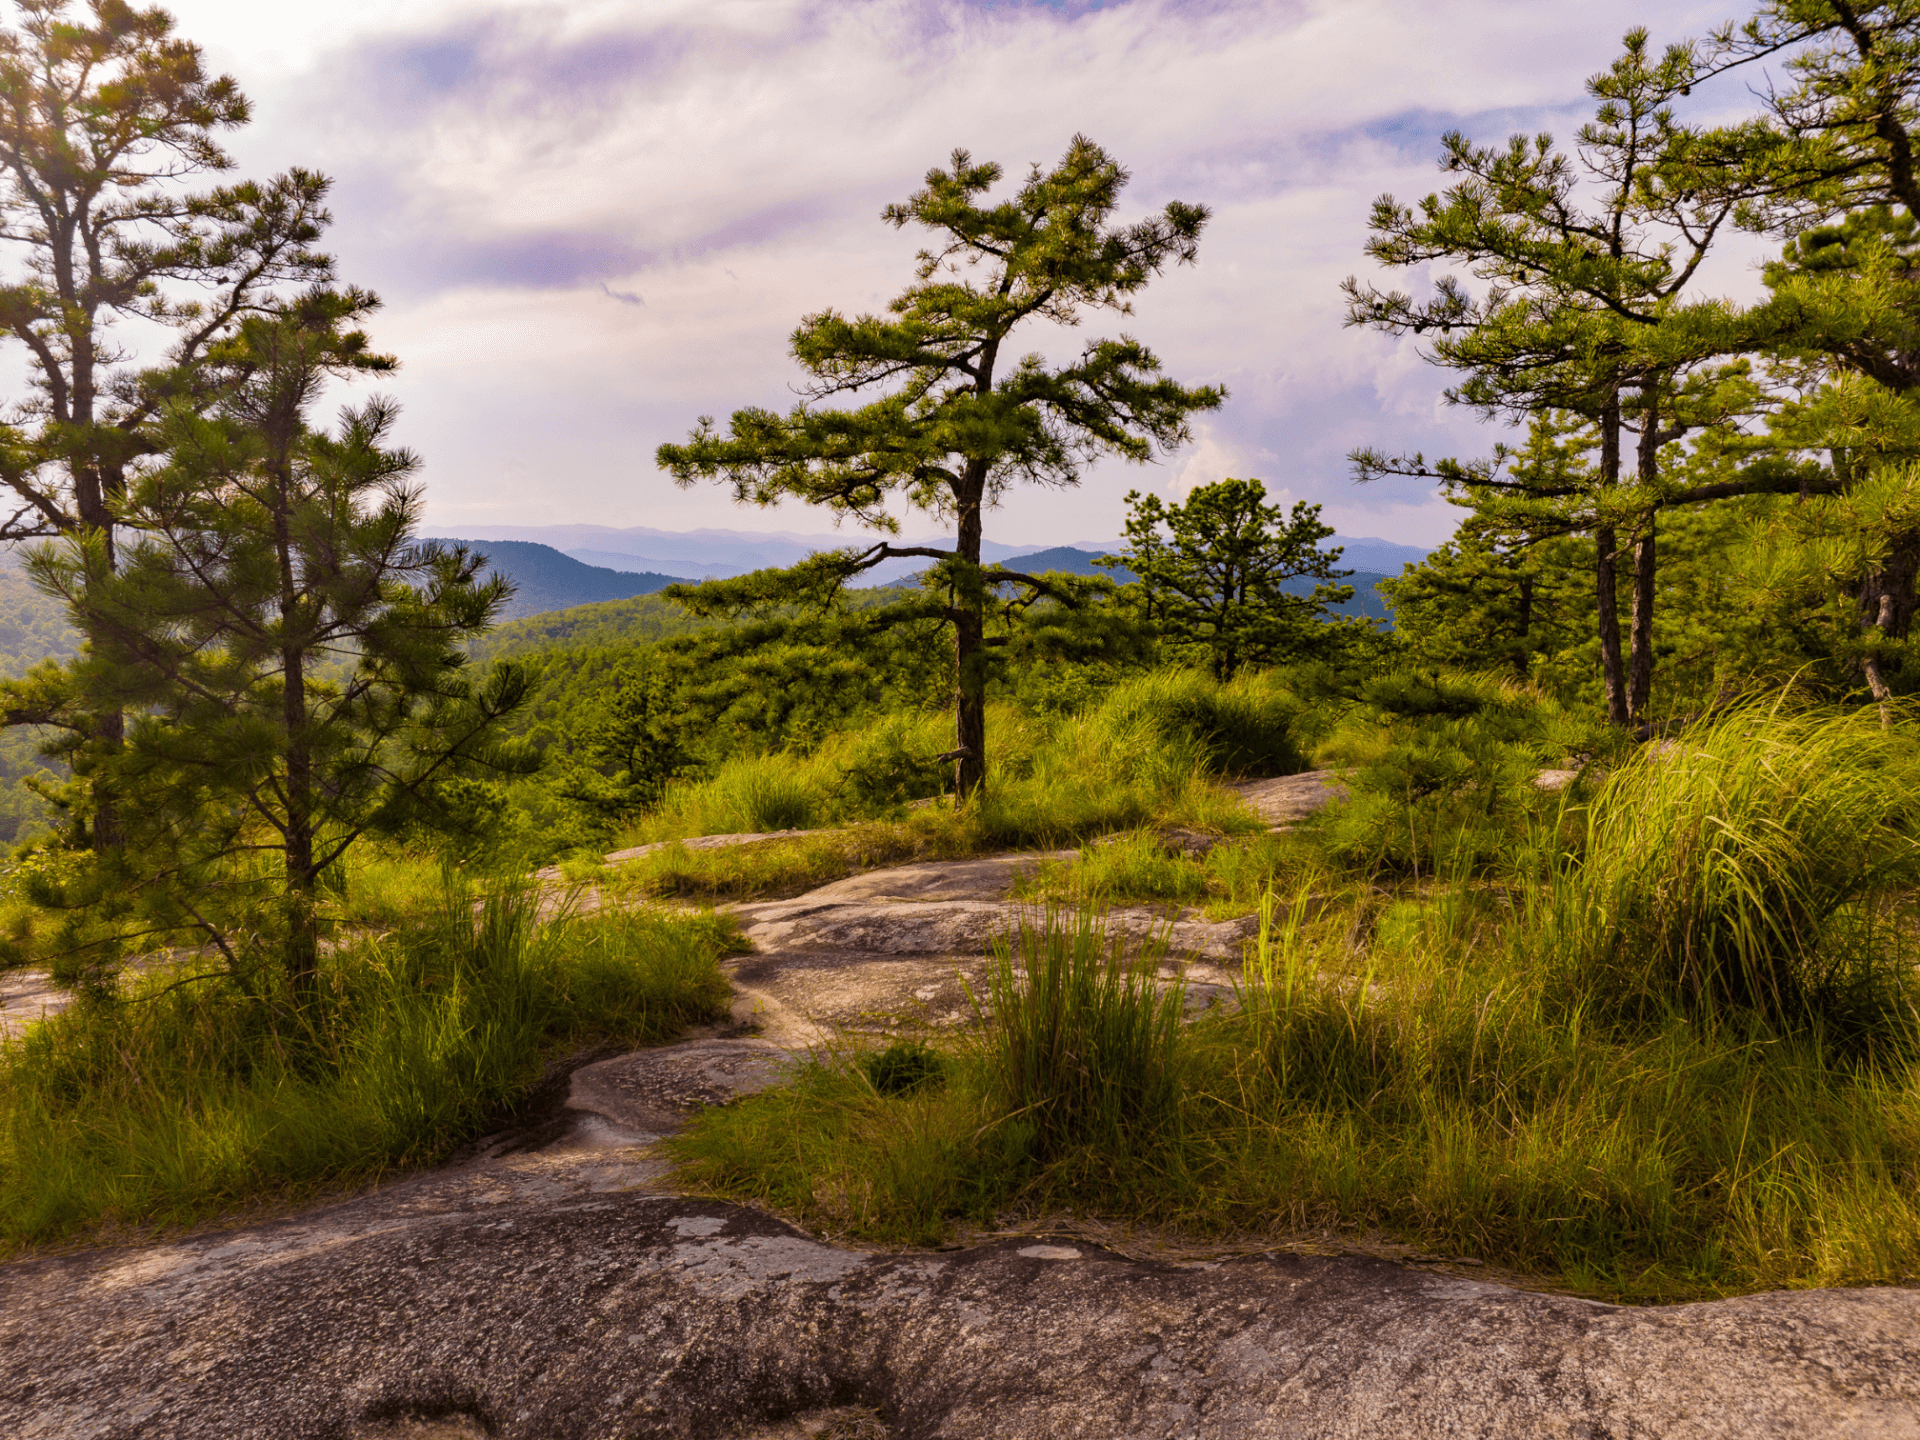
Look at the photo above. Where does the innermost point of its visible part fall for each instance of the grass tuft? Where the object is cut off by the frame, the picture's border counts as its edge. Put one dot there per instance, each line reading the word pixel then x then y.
pixel 1082 1041
pixel 1760 865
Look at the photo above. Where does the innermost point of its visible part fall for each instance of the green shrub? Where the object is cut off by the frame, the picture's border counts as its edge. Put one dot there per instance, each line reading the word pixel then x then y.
pixel 904 1067
pixel 1440 770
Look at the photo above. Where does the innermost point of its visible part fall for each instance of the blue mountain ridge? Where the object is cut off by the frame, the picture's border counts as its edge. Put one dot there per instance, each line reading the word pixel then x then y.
pixel 547 579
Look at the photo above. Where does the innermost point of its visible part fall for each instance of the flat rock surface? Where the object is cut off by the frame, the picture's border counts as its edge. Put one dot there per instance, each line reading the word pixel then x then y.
pixel 903 951
pixel 1289 799
pixel 26 996
pixel 552 1312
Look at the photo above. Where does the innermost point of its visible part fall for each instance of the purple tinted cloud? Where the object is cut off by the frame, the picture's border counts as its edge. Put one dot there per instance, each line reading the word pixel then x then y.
pixel 510 174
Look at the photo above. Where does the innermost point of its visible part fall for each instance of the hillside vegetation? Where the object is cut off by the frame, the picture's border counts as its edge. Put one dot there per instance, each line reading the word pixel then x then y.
pixel 1602 968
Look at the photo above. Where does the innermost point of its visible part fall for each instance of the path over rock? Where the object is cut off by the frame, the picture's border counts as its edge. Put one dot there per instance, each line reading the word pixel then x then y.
pixel 552 1312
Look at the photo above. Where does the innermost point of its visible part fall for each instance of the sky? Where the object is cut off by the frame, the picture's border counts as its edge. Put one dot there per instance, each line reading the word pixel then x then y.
pixel 593 222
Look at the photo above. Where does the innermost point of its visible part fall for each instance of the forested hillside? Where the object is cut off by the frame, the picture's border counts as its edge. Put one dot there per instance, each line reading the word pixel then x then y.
pixel 32 628
pixel 544 579
pixel 1368 601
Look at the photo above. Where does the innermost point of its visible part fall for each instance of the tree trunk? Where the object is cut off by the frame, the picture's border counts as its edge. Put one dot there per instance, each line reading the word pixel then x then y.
pixel 1640 662
pixel 91 494
pixel 970 642
pixel 1605 588
pixel 1640 669
pixel 1887 604
pixel 303 936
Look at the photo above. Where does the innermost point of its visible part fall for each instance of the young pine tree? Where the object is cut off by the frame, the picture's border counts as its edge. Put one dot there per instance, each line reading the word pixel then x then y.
pixel 288 655
pixel 1216 580
pixel 958 416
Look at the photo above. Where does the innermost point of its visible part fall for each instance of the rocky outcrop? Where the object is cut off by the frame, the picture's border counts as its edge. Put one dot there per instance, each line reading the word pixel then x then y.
pixel 532 1302
pixel 1286 800
pixel 27 996
pixel 902 951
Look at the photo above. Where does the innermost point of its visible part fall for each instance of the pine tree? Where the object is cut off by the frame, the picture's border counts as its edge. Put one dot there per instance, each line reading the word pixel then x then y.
pixel 104 121
pixel 1215 579
pixel 1830 167
pixel 289 655
pixel 1585 312
pixel 959 419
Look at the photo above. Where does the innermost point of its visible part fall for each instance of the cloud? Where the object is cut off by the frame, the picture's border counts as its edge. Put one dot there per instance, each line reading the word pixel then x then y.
pixel 505 168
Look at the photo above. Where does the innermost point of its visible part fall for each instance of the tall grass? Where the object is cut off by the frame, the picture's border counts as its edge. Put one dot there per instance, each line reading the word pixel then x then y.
pixel 1763 863
pixel 180 1098
pixel 1454 1100
pixel 748 795
pixel 1083 1040
pixel 1434 1087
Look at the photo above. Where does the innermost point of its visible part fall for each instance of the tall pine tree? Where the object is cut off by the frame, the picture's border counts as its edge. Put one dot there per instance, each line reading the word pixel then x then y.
pixel 106 120
pixel 290 656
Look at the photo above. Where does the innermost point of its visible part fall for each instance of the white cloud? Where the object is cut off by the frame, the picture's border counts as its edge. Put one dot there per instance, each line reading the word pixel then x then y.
pixel 509 172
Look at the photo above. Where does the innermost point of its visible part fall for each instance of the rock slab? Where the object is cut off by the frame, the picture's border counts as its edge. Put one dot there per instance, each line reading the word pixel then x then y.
pixel 554 1313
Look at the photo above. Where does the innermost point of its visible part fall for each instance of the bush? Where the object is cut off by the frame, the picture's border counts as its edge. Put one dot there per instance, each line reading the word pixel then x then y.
pixel 1440 770
pixel 903 1067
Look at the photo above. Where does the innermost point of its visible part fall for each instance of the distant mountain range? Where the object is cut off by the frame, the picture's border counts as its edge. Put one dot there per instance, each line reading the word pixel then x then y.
pixel 698 554
pixel 548 579
pixel 545 579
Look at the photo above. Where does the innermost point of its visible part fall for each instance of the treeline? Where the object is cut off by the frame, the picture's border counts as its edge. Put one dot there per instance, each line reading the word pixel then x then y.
pixel 1731 484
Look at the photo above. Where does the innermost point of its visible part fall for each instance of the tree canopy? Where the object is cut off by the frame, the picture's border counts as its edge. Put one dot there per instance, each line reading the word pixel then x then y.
pixel 1214 581
pixel 290 656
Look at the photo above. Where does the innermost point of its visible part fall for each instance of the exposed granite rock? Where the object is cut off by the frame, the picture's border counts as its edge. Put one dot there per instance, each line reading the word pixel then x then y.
pixel 26 996
pixel 545 1289
pixel 1289 799
pixel 897 951
pixel 511 1311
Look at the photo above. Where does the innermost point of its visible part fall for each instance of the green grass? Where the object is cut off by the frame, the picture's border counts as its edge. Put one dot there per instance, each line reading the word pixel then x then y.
pixel 1148 752
pixel 1446 1101
pixel 792 865
pixel 1139 868
pixel 176 1100
pixel 1084 1049
pixel 1766 862
pixel 1671 1048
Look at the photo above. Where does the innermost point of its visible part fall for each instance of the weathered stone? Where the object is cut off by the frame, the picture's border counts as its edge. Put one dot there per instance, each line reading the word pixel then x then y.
pixel 1289 799
pixel 544 1287
pixel 26 996
pixel 990 878
pixel 563 1316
